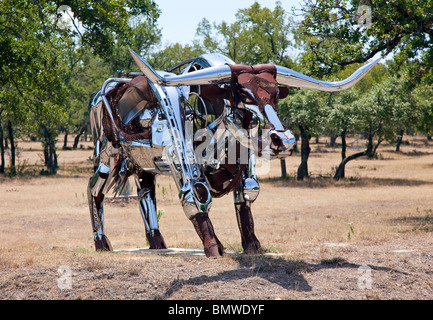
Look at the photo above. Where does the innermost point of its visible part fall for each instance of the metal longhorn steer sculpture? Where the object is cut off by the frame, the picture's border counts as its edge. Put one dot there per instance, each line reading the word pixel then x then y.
pixel 147 124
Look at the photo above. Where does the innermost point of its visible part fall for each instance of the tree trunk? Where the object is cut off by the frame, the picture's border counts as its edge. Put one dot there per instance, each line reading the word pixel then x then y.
pixel 77 138
pixel 371 150
pixel 295 149
pixel 50 151
pixel 399 140
pixel 339 174
pixel 332 141
pixel 2 150
pixel 283 168
pixel 305 153
pixel 13 169
pixel 343 144
pixel 65 140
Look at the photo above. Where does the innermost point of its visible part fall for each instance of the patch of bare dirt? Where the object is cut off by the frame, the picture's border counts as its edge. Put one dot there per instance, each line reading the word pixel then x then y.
pixel 361 270
pixel 366 238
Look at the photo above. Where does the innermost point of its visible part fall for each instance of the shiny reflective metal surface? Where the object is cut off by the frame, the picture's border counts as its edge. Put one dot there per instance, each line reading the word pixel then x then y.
pixel 292 78
pixel 212 75
pixel 143 154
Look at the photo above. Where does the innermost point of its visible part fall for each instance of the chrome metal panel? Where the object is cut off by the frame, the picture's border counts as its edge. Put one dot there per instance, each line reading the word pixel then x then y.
pixel 213 75
pixel 273 118
pixel 160 132
pixel 99 178
pixel 143 154
pixel 277 152
pixel 216 59
pixel 251 189
pixel 105 89
pixel 95 117
pixel 148 211
pixel 129 115
pixel 146 117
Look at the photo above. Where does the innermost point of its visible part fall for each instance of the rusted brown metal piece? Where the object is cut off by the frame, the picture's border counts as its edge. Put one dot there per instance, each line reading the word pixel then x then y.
pixel 256 84
pixel 103 244
pixel 250 243
pixel 204 228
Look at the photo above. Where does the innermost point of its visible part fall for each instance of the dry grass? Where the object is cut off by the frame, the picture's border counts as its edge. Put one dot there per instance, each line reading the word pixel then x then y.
pixel 44 224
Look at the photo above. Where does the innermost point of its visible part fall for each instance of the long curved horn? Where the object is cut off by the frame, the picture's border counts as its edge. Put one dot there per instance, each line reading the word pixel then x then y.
pixel 222 74
pixel 290 78
pixel 212 75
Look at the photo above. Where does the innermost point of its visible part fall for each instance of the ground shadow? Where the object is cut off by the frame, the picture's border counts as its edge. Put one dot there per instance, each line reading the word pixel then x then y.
pixel 415 153
pixel 327 181
pixel 421 223
pixel 287 273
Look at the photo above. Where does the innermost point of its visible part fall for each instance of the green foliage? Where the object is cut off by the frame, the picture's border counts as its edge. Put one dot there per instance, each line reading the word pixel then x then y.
pixel 173 54
pixel 350 232
pixel 332 36
pixel 48 65
pixel 106 24
pixel 259 35
pixel 307 109
pixel 161 212
pixel 423 98
pixel 387 107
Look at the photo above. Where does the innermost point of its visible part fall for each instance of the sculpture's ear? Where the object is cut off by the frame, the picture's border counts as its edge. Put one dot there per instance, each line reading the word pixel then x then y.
pixel 283 92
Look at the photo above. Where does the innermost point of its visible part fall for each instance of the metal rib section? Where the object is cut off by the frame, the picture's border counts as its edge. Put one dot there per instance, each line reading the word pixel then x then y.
pixel 292 78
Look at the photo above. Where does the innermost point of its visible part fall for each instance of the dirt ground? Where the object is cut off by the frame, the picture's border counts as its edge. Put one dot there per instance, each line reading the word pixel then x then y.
pixel 367 237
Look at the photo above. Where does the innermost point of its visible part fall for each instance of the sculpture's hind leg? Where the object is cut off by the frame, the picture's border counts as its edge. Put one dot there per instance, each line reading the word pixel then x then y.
pixel 147 200
pixel 97 217
pixel 204 228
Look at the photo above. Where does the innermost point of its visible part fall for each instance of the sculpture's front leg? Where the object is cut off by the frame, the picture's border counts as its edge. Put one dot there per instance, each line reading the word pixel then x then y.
pixel 197 213
pixel 204 228
pixel 244 195
pixel 250 243
pixel 147 200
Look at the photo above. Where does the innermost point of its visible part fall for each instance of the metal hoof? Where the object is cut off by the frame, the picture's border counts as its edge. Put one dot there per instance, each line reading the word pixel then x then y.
pixel 252 246
pixel 157 241
pixel 212 246
pixel 103 244
pixel 253 249
pixel 214 251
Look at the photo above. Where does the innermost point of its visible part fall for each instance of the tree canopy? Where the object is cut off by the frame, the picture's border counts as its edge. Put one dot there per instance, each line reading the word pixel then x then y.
pixel 55 54
pixel 40 56
pixel 259 35
pixel 343 32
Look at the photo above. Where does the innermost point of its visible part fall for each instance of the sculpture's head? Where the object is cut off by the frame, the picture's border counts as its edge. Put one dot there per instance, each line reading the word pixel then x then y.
pixel 257 87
